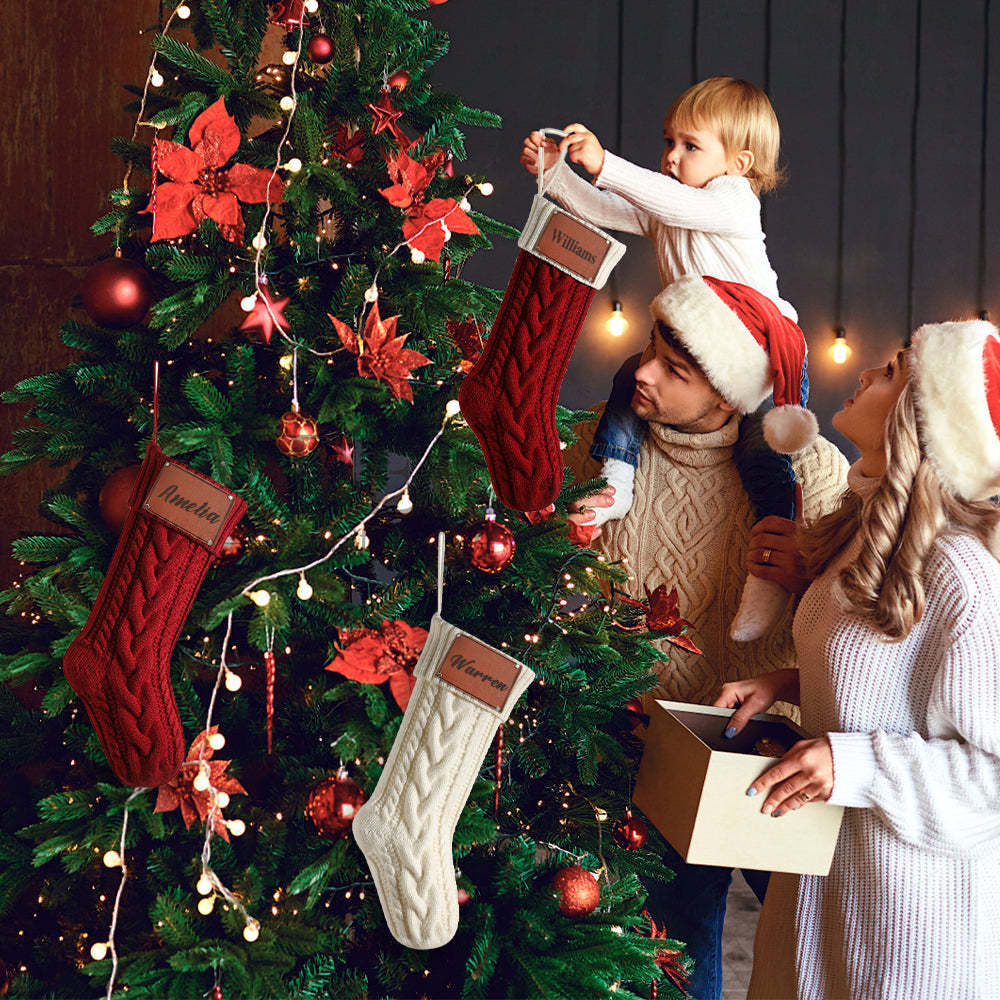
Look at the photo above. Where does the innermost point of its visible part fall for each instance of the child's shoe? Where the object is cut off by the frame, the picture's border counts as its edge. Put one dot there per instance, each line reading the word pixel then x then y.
pixel 761 606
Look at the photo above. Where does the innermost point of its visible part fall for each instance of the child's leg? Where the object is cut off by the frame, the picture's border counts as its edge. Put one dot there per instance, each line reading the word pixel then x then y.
pixel 617 441
pixel 769 479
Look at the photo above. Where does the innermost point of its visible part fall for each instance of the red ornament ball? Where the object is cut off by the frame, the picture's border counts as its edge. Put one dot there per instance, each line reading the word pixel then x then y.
pixel 578 891
pixel 491 548
pixel 463 897
pixel 630 832
pixel 233 545
pixel 399 80
pixel 332 804
pixel 117 292
pixel 298 435
pixel 320 48
pixel 114 496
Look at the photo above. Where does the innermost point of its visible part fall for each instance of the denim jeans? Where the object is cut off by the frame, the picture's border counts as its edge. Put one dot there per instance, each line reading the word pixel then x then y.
pixel 692 908
pixel 767 476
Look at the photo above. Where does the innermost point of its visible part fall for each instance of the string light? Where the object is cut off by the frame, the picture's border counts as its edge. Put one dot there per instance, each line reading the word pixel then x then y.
pixel 485 188
pixel 262 598
pixel 294 165
pixel 405 504
pixel 840 350
pixel 304 590
pixel 233 681
pixel 204 885
pixel 616 324
pixel 248 302
pixel 216 741
pixel 206 904
pixel 371 292
pixel 112 859
pixel 258 243
pixel 289 57
pixel 287 103
pixel 183 11
pixel 156 78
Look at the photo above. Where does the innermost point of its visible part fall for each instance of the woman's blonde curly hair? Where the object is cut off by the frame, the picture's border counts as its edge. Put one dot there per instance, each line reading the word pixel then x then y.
pixel 897 526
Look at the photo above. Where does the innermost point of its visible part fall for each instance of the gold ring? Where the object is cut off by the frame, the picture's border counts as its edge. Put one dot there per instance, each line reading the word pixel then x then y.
pixel 766 556
pixel 805 796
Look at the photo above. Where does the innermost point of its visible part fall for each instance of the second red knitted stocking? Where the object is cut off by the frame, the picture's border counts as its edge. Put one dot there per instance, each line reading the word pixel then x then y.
pixel 119 664
pixel 509 398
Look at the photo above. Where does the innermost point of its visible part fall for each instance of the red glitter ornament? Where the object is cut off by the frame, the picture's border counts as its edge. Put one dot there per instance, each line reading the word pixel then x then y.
pixel 117 292
pixel 269 665
pixel 298 435
pixel 114 496
pixel 630 832
pixel 578 891
pixel 332 804
pixel 399 80
pixel 492 546
pixel 320 48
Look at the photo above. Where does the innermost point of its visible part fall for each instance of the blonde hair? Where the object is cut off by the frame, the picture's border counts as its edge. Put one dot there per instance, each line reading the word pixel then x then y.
pixel 744 118
pixel 897 526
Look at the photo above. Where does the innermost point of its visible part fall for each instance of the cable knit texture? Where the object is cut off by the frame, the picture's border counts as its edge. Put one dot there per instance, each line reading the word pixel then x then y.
pixel 712 230
pixel 910 908
pixel 509 398
pixel 689 527
pixel 119 664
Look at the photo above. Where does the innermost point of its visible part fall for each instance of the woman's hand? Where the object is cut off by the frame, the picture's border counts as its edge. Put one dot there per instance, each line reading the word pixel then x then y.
pixel 530 148
pixel 804 774
pixel 774 551
pixel 755 695
pixel 583 148
pixel 581 512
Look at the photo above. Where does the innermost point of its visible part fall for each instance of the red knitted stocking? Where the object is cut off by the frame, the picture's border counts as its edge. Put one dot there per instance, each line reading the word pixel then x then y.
pixel 509 398
pixel 119 664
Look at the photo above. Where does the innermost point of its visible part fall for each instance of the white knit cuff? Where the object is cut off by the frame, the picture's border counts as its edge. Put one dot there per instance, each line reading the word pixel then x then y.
pixel 854 767
pixel 614 172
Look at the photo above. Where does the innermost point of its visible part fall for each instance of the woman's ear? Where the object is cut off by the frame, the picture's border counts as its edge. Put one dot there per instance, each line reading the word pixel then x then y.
pixel 741 163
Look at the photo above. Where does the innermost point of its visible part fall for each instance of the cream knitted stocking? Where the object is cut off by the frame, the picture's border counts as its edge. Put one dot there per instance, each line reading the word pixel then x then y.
pixel 464 691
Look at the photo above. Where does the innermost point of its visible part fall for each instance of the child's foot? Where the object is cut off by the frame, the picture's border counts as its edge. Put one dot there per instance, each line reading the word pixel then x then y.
pixel 621 476
pixel 761 606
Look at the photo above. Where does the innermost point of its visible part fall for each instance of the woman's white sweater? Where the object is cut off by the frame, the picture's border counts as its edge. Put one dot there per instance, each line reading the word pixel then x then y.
pixel 911 907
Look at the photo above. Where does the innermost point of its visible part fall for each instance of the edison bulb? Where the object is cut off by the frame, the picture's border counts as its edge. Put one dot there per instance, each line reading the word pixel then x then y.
pixel 237 827
pixel 486 188
pixel 203 886
pixel 156 78
pixel 616 323
pixel 251 932
pixel 233 681
pixel 286 103
pixel 294 165
pixel 289 57
pixel 304 590
pixel 112 859
pixel 217 741
pixel 840 350
pixel 184 12
pixel 98 950
pixel 262 598
pixel 405 504
pixel 205 905
pixel 248 302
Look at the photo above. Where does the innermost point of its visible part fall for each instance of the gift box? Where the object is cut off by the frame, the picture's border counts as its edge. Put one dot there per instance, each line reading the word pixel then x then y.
pixel 692 785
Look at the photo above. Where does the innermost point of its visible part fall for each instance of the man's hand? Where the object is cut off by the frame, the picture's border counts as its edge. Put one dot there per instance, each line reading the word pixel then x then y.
pixel 581 532
pixel 755 695
pixel 583 148
pixel 804 774
pixel 774 550
pixel 534 144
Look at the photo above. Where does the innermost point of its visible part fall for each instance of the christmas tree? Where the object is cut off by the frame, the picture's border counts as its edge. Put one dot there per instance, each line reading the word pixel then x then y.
pixel 284 324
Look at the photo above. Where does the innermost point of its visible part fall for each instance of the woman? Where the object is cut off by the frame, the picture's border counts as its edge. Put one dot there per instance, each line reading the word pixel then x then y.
pixel 898 650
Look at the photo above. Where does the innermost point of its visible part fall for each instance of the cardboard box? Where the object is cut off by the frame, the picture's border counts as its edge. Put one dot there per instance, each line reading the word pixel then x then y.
pixel 692 785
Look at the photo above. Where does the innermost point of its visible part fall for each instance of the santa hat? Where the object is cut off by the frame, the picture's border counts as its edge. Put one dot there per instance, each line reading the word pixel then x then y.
pixel 955 372
pixel 747 349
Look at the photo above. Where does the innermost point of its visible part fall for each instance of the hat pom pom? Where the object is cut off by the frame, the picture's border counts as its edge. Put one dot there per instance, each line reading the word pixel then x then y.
pixel 788 429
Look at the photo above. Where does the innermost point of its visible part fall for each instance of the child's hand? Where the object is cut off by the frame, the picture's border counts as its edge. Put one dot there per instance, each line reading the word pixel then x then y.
pixel 583 148
pixel 530 149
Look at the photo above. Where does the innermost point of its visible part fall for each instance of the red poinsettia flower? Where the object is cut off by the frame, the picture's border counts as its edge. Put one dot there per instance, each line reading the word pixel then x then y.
pixel 200 187
pixel 663 615
pixel 381 355
pixel 426 226
pixel 410 177
pixel 370 656
pixel 347 146
pixel 668 959
pixel 468 338
pixel 194 804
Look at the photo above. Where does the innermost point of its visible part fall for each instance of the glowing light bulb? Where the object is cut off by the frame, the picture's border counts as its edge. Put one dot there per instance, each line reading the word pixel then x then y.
pixel 112 859
pixel 248 302
pixel 237 827
pixel 233 682
pixel 201 781
pixel 156 78
pixel 371 293
pixel 840 350
pixel 486 188
pixel 259 242
pixel 204 886
pixel 304 590
pixel 294 165
pixel 452 408
pixel 286 361
pixel 312 6
pixel 405 504
pixel 217 741
pixel 222 799
pixel 464 205
pixel 287 103
pixel 262 598
pixel 417 255
pixel 251 932
pixel 361 540
pixel 184 12
pixel 289 57
pixel 616 323
pixel 98 950
pixel 205 905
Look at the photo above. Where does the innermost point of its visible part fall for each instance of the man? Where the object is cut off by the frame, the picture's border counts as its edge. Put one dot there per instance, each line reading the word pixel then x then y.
pixel 689 527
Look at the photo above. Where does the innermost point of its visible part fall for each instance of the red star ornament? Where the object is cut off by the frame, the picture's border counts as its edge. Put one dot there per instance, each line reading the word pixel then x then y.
pixel 385 116
pixel 342 450
pixel 199 187
pixel 267 314
pixel 427 226
pixel 180 792
pixel 382 355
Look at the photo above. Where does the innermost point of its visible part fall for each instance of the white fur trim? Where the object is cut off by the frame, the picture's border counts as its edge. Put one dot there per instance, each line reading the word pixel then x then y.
pixel 958 433
pixel 729 354
pixel 789 429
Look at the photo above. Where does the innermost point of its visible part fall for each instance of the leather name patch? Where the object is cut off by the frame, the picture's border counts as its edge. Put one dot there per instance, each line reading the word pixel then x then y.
pixel 572 245
pixel 194 505
pixel 476 669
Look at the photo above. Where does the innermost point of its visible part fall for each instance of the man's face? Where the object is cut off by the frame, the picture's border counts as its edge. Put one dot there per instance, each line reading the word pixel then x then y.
pixel 670 390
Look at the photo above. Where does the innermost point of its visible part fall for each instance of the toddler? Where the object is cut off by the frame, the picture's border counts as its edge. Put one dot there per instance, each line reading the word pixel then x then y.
pixel 702 213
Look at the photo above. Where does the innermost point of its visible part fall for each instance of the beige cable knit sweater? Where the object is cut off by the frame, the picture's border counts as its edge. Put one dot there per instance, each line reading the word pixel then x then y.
pixel 688 527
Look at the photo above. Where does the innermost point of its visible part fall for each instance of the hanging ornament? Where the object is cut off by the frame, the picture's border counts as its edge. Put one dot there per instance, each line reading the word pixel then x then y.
pixel 467 336
pixel 288 13
pixel 662 617
pixel 630 832
pixel 670 960
pixel 298 435
pixel 342 450
pixel 267 315
pixel 233 545
pixel 446 267
pixel 332 804
pixel 217 993
pixel 578 891
pixel 492 546
pixel 114 496
pixel 634 713
pixel 399 80
pixel 320 48
pixel 385 117
pixel 463 896
pixel 269 667
pixel 117 292
pixel 449 165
